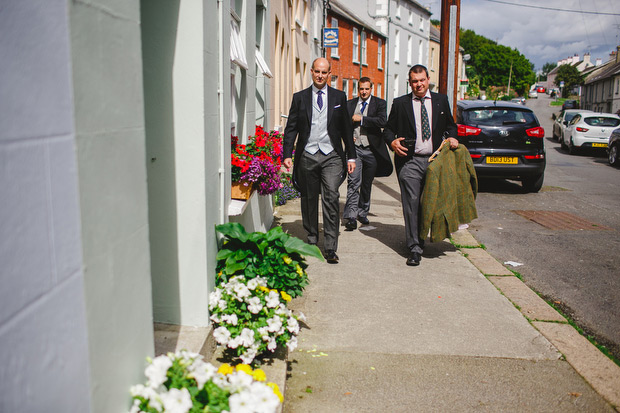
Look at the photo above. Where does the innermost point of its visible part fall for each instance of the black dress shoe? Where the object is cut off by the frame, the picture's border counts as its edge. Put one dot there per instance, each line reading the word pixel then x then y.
pixel 363 220
pixel 351 224
pixel 331 257
pixel 414 259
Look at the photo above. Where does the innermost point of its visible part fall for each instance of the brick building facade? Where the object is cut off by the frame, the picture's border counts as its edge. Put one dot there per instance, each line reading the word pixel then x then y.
pixel 360 52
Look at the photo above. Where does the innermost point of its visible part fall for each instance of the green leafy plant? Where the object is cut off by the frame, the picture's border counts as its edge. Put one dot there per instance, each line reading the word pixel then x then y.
pixel 274 255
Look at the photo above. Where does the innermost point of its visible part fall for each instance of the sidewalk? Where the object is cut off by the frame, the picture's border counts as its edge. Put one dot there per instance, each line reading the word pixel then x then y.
pixel 384 337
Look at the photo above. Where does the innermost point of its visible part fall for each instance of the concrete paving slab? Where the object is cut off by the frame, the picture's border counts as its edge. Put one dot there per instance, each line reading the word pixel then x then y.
pixel 485 262
pixel 463 238
pixel 378 382
pixel 530 304
pixel 593 365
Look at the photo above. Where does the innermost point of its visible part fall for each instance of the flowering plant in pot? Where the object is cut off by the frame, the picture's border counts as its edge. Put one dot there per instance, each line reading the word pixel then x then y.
pixel 274 255
pixel 183 382
pixel 252 318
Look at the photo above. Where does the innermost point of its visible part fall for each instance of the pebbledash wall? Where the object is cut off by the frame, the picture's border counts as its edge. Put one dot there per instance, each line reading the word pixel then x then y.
pixel 114 169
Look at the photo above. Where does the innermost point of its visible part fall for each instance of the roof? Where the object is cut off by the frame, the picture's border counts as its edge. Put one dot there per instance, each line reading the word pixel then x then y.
pixel 435 34
pixel 491 104
pixel 338 8
pixel 607 71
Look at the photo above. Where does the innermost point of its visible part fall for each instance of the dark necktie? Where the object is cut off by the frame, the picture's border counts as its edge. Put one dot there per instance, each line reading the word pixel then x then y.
pixel 426 127
pixel 364 103
pixel 319 99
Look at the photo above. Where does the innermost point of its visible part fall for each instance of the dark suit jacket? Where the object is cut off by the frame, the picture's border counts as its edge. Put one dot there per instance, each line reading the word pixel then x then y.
pixel 401 122
pixel 339 127
pixel 374 122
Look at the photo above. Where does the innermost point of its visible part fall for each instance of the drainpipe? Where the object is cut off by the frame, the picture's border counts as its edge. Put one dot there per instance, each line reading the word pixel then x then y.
pixel 222 128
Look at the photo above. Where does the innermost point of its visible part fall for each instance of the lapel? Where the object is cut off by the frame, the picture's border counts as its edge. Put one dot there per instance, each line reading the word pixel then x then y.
pixel 331 96
pixel 351 105
pixel 409 110
pixel 370 107
pixel 436 110
pixel 307 97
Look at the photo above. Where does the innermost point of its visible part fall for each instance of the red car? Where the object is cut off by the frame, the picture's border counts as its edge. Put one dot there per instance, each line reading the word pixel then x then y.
pixel 541 89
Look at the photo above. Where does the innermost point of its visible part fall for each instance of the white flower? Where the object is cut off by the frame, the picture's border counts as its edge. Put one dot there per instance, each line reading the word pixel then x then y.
pixel 264 333
pixel 230 319
pixel 247 337
pixel 221 335
pixel 252 284
pixel 254 305
pixel 202 372
pixel 241 403
pixel 239 381
pixel 292 343
pixel 274 324
pixel 272 345
pixel 214 297
pixel 156 372
pixel 177 401
pixel 273 299
pixel 248 356
pixel 235 342
pixel 293 326
pixel 222 305
pixel 301 316
pixel 242 291
pixel 265 400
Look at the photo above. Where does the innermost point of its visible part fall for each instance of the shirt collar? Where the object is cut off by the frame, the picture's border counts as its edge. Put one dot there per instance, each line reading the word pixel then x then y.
pixel 367 100
pixel 426 96
pixel 316 89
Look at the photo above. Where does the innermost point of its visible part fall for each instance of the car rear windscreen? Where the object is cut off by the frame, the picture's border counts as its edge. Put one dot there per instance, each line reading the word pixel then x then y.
pixel 498 117
pixel 602 121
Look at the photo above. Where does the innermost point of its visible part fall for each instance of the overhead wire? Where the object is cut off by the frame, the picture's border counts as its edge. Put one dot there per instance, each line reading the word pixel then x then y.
pixel 552 8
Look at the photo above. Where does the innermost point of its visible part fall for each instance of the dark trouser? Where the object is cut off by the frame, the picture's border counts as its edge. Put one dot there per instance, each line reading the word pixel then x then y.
pixel 321 174
pixel 411 181
pixel 359 184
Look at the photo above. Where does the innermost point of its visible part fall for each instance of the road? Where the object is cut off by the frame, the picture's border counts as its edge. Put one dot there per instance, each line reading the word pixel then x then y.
pixel 579 270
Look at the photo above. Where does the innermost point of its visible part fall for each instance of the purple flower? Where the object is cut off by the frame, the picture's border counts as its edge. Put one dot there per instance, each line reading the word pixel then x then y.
pixel 263 175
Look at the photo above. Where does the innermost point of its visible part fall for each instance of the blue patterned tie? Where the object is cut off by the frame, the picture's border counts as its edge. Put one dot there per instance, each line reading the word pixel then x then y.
pixel 426 127
pixel 319 99
pixel 364 103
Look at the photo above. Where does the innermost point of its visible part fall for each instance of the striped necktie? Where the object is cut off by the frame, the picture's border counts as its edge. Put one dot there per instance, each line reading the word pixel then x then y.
pixel 426 126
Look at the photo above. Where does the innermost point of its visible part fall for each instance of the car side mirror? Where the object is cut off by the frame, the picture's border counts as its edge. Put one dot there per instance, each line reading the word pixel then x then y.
pixel 553 116
pixel 566 122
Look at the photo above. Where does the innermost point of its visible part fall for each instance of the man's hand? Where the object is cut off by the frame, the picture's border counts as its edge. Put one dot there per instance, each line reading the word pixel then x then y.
pixel 398 149
pixel 357 118
pixel 288 162
pixel 350 166
pixel 454 143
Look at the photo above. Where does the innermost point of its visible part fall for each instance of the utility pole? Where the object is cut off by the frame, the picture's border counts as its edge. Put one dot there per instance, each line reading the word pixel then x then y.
pixel 510 77
pixel 449 49
pixel 325 6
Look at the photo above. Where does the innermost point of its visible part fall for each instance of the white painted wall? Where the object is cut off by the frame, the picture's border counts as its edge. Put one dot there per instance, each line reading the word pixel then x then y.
pixel 109 125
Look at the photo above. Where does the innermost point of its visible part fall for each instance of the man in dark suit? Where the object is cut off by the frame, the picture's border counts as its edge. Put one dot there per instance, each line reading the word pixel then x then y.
pixel 418 123
pixel 319 121
pixel 369 114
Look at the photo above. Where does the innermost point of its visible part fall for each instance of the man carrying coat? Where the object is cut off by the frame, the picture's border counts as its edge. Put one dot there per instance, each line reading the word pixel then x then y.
pixel 369 114
pixel 418 123
pixel 319 121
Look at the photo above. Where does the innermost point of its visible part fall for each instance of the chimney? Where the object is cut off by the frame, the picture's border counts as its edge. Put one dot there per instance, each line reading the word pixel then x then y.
pixel 575 59
pixel 617 54
pixel 599 61
pixel 586 59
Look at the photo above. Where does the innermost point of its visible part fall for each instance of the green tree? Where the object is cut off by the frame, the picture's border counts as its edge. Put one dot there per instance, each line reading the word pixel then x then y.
pixel 547 67
pixel 571 78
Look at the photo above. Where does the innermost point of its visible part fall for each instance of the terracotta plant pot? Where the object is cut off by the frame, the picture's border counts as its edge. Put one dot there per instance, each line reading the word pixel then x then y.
pixel 241 190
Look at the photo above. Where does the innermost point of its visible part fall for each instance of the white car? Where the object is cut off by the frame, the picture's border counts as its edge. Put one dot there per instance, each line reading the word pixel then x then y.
pixel 589 130
pixel 533 94
pixel 561 122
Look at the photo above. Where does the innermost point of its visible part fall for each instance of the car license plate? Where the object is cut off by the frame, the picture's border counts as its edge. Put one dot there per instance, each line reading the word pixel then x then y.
pixel 599 145
pixel 502 159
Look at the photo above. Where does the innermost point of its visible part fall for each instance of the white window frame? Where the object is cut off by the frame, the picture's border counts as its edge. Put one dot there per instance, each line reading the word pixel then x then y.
pixel 237 51
pixel 364 45
pixel 398 9
pixel 421 24
pixel 410 18
pixel 396 87
pixel 356 47
pixel 409 51
pixel 334 51
pixel 379 90
pixel 345 87
pixel 397 46
pixel 354 85
pixel 420 53
pixel 262 64
pixel 334 82
pixel 379 53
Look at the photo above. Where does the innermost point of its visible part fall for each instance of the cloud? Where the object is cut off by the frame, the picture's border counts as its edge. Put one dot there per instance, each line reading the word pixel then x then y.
pixel 544 35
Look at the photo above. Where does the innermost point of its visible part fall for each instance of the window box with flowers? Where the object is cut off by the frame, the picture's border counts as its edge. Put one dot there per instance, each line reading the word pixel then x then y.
pixel 256 166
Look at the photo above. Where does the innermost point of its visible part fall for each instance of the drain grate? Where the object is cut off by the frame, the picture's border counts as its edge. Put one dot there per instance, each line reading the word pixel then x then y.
pixel 560 220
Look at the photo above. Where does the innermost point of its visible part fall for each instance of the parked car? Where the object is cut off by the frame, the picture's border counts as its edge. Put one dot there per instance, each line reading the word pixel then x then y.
pixel 613 147
pixel 589 130
pixel 533 94
pixel 541 89
pixel 561 122
pixel 519 100
pixel 504 139
pixel 570 104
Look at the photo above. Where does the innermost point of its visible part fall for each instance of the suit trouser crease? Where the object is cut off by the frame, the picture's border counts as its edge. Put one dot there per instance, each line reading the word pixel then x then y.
pixel 359 184
pixel 321 174
pixel 411 181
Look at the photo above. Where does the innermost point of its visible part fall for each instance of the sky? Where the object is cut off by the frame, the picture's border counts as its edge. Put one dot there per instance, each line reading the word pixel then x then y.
pixel 543 35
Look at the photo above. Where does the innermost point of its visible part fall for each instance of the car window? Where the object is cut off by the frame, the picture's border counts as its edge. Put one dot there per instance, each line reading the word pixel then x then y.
pixel 497 117
pixel 569 116
pixel 602 121
pixel 575 119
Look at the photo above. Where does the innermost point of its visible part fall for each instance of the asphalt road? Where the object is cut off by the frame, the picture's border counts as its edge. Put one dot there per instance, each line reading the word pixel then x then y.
pixel 579 270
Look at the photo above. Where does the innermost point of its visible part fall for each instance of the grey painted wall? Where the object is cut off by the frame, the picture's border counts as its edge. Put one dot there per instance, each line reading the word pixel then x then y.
pixel 43 340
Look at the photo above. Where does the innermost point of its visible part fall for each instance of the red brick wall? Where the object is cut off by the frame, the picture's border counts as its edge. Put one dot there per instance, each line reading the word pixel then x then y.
pixel 343 66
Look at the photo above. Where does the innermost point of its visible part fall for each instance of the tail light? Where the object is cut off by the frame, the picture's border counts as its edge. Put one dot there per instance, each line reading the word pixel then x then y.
pixel 579 129
pixel 475 155
pixel 464 130
pixel 536 132
pixel 539 156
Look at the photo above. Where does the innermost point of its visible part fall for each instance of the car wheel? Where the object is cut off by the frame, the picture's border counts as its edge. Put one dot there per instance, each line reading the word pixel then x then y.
pixel 613 155
pixel 572 149
pixel 562 143
pixel 533 183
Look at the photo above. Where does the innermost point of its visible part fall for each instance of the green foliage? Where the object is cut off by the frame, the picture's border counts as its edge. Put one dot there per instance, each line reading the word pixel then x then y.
pixel 571 77
pixel 274 255
pixel 491 62
pixel 548 67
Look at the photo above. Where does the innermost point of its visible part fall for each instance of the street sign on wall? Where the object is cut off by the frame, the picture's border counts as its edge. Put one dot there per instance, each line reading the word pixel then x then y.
pixel 330 37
